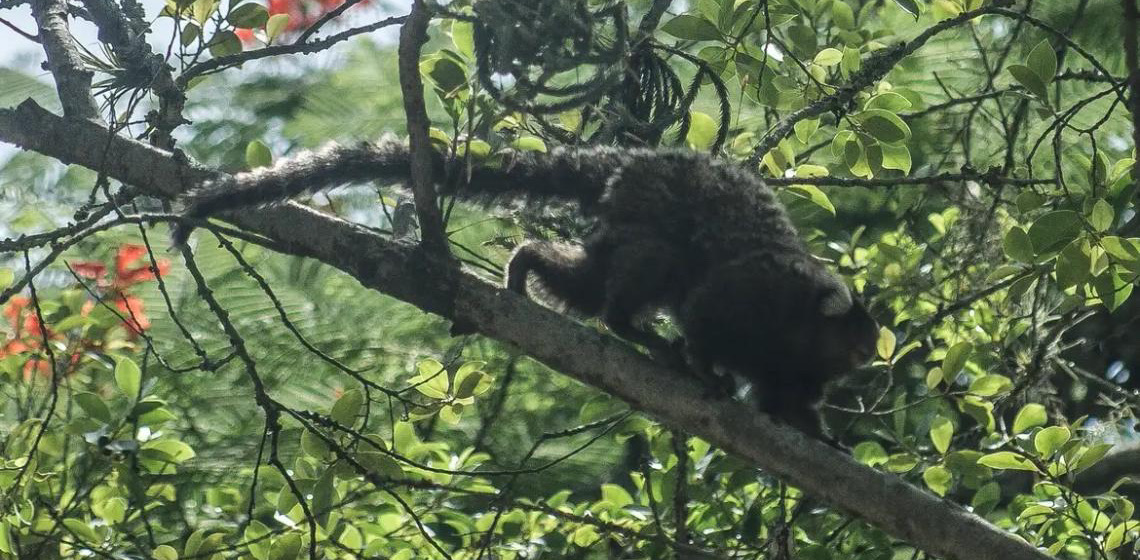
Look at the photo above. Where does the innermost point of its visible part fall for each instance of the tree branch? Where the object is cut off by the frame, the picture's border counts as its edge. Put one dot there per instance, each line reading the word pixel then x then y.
pixel 413 34
pixel 72 79
pixel 938 527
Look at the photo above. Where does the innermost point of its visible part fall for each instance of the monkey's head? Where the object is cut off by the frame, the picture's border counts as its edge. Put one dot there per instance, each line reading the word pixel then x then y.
pixel 846 334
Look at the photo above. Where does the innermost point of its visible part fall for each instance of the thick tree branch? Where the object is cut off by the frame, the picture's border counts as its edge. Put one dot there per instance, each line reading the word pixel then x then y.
pixel 939 527
pixel 413 34
pixel 72 79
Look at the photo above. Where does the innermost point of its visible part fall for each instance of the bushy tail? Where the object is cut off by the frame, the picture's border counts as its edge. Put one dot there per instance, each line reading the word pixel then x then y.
pixel 567 173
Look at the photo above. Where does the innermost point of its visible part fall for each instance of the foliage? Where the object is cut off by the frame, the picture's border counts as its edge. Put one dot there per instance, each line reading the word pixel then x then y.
pixel 979 191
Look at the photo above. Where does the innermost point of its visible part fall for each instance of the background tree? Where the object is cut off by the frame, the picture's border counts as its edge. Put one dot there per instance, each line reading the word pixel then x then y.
pixel 270 393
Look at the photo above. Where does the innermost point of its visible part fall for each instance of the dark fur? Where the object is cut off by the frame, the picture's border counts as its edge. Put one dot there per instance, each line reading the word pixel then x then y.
pixel 677 231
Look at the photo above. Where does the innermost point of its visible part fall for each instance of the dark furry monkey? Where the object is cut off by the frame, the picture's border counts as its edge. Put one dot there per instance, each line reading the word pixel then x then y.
pixel 677 231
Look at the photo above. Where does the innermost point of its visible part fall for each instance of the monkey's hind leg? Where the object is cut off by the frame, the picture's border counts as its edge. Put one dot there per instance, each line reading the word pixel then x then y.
pixel 573 275
pixel 643 277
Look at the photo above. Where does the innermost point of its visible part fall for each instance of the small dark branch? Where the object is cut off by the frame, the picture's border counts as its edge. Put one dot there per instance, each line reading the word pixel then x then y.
pixel 223 62
pixel 1087 76
pixel 653 17
pixel 955 102
pixel 72 79
pixel 681 491
pixel 19 31
pixel 331 15
pixel 413 34
pixel 1131 56
pixel 990 178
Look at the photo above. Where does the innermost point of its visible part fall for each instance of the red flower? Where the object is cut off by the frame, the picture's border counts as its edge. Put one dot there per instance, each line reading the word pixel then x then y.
pixel 124 277
pixel 302 14
pixel 27 335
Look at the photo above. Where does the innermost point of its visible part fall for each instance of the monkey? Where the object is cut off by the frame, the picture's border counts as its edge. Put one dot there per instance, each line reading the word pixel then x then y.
pixel 677 231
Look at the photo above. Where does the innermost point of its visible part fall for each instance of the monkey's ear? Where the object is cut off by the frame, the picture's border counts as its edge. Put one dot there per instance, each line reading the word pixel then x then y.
pixel 836 302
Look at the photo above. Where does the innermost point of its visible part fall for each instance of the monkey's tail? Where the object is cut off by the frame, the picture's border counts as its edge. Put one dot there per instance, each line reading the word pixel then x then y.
pixel 566 173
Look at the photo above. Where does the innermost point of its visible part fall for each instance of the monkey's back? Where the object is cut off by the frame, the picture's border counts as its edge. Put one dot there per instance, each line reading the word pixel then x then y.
pixel 702 206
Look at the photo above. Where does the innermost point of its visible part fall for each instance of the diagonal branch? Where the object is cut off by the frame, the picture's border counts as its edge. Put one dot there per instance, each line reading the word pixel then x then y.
pixel 397 269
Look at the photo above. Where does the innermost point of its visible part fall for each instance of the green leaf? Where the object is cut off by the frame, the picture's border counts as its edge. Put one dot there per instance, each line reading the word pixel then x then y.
pixel 1030 416
pixel 1091 456
pixel 884 125
pixel 901 463
pixel 94 406
pixel 910 7
pixel 471 384
pixel 1054 230
pixel 5 538
pixel 175 450
pixel 828 57
pixel 1074 265
pixel 938 479
pixel 1102 216
pixel 933 377
pixel 1043 62
pixel 463 37
pixel 114 511
pixel 889 101
pixel 249 15
pixel 127 376
pixel 6 277
pixel 841 14
pixel 814 194
pixel 447 75
pixel 323 497
pixel 1007 460
pixel 896 157
pixel 1050 439
pixel 257 154
pixel 702 131
pixel 885 346
pixel 286 547
pixel 164 552
pixel 346 409
pixel 1112 290
pixel 988 496
pixel 1125 250
pixel 616 495
pixel 955 359
pixel 201 10
pixel 692 28
pixel 811 170
pixel 1028 201
pixel 870 453
pixel 224 44
pixel 941 431
pixel 277 23
pixel 1116 536
pixel 313 446
pixel 851 61
pixel 81 530
pixel 990 385
pixel 805 129
pixel 529 144
pixel 1029 79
